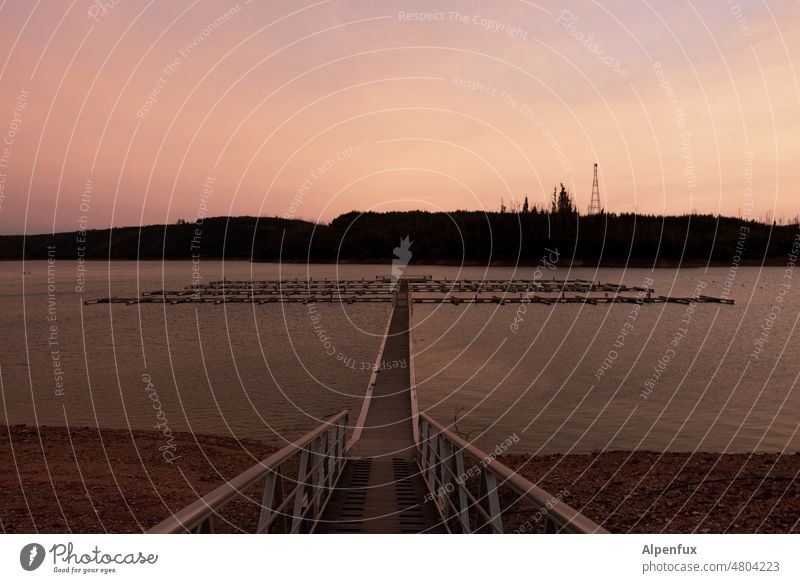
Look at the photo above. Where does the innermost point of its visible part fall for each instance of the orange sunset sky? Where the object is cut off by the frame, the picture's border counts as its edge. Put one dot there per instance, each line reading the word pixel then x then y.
pixel 127 112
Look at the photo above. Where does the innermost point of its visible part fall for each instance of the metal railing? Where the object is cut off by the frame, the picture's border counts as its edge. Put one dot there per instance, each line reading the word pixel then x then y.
pixel 468 498
pixel 287 505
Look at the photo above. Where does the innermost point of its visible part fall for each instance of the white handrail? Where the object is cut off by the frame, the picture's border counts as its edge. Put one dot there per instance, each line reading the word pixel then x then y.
pixel 442 462
pixel 321 461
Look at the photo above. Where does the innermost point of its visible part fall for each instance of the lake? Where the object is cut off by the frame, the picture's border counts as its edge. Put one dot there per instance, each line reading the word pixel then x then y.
pixel 565 378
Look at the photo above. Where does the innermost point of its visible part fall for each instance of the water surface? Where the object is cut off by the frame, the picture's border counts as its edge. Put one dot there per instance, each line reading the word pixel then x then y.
pixel 675 377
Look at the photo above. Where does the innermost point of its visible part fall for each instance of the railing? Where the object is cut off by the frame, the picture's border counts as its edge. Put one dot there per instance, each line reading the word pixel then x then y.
pixel 362 417
pixel 468 498
pixel 287 505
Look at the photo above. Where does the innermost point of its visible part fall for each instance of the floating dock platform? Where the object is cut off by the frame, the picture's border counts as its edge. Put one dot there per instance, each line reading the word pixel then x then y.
pixel 421 290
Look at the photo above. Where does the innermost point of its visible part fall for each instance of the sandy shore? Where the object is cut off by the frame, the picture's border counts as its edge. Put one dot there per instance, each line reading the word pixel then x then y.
pixel 85 480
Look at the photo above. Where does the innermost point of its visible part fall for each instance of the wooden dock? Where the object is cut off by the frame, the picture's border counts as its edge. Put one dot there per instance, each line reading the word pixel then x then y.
pixel 399 472
pixel 420 291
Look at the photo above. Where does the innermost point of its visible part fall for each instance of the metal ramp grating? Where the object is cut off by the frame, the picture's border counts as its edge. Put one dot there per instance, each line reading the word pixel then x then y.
pixel 380 495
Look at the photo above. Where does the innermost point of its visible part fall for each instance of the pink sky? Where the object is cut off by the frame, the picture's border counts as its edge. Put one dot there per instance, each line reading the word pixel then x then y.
pixel 312 109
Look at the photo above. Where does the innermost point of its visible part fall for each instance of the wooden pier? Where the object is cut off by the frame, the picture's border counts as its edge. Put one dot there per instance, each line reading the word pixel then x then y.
pixel 399 471
pixel 381 489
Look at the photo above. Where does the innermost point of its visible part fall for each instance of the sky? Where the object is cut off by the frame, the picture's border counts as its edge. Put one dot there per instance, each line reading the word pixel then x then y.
pixel 128 112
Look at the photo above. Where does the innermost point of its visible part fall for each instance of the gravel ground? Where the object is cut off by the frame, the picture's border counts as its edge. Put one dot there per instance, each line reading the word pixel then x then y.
pixel 649 492
pixel 56 479
pixel 85 480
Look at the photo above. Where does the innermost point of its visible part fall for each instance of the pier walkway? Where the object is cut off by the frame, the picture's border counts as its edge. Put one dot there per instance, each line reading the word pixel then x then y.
pixel 381 489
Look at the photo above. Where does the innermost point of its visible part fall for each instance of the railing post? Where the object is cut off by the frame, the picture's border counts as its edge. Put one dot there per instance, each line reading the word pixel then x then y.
pixel 342 435
pixel 423 446
pixel 317 461
pixel 446 480
pixel 300 491
pixel 331 463
pixel 433 444
pixel 266 502
pixel 493 501
pixel 423 443
pixel 429 461
pixel 280 498
pixel 462 491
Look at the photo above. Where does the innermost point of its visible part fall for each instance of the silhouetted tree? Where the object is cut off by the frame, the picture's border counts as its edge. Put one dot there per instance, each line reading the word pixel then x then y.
pixel 565 205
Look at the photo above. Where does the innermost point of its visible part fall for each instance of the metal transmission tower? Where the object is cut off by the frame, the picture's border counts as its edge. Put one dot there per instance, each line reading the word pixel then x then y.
pixel 594 206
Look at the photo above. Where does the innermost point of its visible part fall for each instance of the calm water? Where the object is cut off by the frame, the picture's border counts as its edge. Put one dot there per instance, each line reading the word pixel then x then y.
pixel 262 372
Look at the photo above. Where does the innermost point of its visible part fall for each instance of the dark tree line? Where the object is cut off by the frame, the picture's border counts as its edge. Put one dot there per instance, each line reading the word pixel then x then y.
pixel 454 237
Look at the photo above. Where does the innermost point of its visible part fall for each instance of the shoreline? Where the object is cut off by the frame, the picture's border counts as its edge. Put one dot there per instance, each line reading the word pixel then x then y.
pixel 81 479
pixel 574 263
